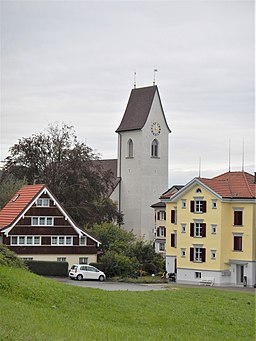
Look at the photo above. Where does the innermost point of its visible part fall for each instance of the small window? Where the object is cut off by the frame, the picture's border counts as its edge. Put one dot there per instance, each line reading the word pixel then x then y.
pixel 161 246
pixel 183 228
pixel 183 203
pixel 37 240
pixel 154 148
pixel 82 240
pixel 130 148
pixel 22 240
pixel 14 240
pixel 198 190
pixel 183 253
pixel 198 275
pixel 214 228
pixel 43 202
pixel 238 218
pixel 238 243
pixel 214 204
pixel 213 254
pixel 54 240
pixel 61 259
pixel 161 215
pixel 83 260
pixel 61 240
pixel 69 240
pixel 29 240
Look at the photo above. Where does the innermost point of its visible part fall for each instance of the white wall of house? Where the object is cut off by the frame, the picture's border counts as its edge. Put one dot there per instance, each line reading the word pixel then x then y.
pixel 71 259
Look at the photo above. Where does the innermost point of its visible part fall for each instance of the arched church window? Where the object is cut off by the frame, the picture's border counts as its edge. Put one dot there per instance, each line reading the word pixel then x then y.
pixel 130 148
pixel 155 148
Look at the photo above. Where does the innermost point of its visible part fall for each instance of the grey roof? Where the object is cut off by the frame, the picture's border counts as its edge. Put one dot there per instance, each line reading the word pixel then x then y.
pixel 109 165
pixel 158 204
pixel 138 108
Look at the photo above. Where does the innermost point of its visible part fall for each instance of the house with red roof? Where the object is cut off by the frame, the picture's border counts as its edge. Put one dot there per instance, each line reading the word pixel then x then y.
pixel 34 225
pixel 211 230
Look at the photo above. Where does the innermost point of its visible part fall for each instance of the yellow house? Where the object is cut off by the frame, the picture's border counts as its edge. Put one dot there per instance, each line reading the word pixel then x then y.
pixel 211 232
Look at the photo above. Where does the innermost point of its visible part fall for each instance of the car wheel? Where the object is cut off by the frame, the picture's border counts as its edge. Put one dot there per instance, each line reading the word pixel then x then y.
pixel 79 277
pixel 101 278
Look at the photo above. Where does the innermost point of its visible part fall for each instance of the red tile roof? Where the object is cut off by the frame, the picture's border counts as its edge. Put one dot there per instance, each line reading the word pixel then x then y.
pixel 18 204
pixel 233 185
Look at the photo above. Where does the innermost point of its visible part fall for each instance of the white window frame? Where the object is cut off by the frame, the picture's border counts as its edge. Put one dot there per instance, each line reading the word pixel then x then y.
pixel 81 239
pixel 214 228
pixel 161 231
pixel 198 254
pixel 81 258
pixel 183 252
pixel 19 238
pixel 213 254
pixel 198 205
pixel 183 203
pixel 61 259
pixel 43 202
pixel 214 204
pixel 38 220
pixel 183 228
pixel 161 247
pixel 162 215
pixel 57 241
pixel 198 274
pixel 198 229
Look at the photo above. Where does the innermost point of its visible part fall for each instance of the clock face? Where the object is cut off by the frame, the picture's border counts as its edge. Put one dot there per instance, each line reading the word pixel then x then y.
pixel 155 128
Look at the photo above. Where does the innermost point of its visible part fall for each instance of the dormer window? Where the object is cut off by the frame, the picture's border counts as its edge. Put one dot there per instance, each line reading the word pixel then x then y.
pixel 130 148
pixel 155 148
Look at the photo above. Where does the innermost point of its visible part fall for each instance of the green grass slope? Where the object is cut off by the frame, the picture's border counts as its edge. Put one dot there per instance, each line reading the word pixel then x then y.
pixel 36 308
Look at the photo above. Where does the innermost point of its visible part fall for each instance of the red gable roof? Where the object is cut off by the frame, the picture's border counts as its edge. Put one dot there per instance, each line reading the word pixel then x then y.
pixel 232 185
pixel 18 204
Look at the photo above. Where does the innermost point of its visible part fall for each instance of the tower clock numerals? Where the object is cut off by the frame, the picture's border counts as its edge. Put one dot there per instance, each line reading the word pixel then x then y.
pixel 155 128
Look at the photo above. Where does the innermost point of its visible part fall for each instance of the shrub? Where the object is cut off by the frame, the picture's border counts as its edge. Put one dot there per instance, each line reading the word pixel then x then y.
pixel 9 258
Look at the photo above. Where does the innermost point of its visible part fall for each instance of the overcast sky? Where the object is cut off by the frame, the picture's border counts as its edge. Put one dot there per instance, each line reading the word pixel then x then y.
pixel 73 62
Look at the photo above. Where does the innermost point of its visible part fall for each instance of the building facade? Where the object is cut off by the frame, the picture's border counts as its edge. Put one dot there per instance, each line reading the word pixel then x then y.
pixel 36 227
pixel 211 231
pixel 142 167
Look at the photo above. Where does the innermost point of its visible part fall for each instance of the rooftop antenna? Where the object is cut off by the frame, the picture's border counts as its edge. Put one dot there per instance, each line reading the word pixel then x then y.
pixel 229 154
pixel 243 157
pixel 154 80
pixel 134 78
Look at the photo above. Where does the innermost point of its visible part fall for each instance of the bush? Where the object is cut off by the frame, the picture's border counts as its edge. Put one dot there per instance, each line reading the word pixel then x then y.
pixel 48 268
pixel 9 258
pixel 99 266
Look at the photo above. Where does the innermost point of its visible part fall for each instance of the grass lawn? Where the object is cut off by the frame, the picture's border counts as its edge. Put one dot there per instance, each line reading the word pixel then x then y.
pixel 36 308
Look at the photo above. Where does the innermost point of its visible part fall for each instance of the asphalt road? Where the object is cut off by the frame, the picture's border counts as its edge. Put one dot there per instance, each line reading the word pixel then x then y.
pixel 113 286
pixel 117 286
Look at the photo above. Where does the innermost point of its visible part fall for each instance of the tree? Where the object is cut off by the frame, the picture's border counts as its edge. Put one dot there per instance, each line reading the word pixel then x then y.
pixel 67 166
pixel 123 254
pixel 8 187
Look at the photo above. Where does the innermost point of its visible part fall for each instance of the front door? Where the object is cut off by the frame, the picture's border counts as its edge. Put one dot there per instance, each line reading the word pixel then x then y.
pixel 240 274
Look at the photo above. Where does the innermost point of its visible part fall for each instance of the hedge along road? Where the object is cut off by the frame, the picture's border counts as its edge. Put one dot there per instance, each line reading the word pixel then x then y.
pixel 113 286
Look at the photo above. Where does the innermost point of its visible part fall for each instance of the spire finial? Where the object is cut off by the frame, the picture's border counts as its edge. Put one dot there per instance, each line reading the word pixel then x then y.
pixel 154 80
pixel 134 78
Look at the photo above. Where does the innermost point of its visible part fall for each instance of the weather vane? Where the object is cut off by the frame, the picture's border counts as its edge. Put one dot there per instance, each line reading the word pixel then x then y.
pixel 154 80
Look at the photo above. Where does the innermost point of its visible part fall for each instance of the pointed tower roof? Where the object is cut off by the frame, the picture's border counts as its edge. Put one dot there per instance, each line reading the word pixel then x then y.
pixel 138 108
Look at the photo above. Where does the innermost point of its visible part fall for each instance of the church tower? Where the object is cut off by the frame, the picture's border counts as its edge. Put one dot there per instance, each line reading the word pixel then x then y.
pixel 143 150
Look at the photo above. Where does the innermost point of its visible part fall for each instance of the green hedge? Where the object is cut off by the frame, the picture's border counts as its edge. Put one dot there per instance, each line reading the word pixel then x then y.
pixel 48 268
pixel 99 266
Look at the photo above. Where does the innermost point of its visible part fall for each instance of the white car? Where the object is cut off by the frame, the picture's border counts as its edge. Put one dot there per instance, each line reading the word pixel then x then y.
pixel 84 271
